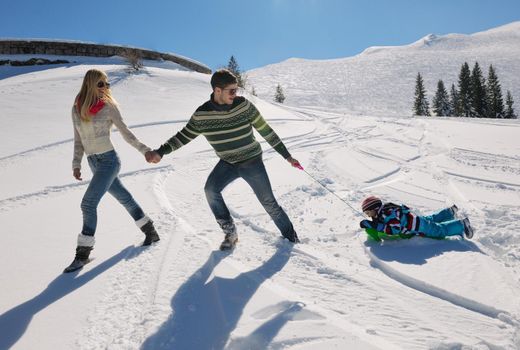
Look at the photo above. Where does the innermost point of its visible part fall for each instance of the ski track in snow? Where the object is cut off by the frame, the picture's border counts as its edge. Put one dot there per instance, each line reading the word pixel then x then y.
pixel 151 309
pixel 137 298
pixel 130 298
pixel 440 293
pixel 13 202
pixel 423 287
pixel 355 279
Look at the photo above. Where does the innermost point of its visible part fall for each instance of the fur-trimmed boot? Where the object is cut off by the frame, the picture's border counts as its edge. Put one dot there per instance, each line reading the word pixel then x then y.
pixel 85 246
pixel 231 239
pixel 150 233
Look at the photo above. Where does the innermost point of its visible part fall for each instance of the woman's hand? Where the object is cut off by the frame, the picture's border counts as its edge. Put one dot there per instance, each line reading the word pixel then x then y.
pixel 77 174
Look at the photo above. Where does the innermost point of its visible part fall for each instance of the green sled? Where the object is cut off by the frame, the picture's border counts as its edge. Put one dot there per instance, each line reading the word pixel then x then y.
pixel 375 235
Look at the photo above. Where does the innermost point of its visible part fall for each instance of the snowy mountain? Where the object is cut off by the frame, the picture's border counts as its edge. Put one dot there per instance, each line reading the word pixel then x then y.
pixel 385 76
pixel 334 290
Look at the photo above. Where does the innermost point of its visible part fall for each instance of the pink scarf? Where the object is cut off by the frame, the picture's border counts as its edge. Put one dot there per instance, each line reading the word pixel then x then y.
pixel 94 109
pixel 97 107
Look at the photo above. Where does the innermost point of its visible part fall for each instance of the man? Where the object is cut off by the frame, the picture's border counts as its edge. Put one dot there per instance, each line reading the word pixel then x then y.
pixel 227 122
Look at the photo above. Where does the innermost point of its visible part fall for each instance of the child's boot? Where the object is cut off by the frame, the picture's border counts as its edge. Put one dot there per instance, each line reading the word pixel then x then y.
pixel 454 210
pixel 468 230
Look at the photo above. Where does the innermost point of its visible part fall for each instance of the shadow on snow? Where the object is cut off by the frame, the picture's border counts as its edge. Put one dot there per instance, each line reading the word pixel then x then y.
pixel 206 312
pixel 417 250
pixel 14 322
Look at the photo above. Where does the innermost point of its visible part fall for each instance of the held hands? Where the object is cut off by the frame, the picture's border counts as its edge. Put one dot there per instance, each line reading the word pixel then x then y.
pixel 294 163
pixel 152 157
pixel 76 172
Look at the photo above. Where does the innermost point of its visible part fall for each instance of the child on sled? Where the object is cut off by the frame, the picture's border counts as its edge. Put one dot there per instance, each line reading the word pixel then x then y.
pixel 393 219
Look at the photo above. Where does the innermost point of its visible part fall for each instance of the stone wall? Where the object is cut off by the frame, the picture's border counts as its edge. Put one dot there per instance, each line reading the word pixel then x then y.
pixel 64 48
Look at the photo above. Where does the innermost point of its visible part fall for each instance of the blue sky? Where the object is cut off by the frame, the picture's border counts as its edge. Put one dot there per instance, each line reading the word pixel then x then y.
pixel 256 32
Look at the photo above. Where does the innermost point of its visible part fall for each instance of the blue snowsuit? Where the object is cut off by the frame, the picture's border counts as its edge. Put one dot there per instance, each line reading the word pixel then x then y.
pixel 393 219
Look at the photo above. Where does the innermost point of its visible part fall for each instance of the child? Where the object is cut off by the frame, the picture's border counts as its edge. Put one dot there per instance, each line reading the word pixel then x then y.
pixel 393 219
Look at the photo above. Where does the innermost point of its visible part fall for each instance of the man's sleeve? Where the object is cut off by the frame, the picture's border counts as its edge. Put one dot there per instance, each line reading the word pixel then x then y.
pixel 268 133
pixel 183 137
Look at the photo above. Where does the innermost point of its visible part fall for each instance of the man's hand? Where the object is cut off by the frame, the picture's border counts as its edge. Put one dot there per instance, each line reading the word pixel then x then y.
pixel 294 163
pixel 152 157
pixel 77 174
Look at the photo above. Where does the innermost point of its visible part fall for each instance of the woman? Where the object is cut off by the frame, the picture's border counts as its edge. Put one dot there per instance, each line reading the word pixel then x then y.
pixel 93 114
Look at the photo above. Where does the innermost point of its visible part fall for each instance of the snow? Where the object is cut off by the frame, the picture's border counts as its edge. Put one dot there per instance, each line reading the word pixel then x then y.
pixel 334 290
pixel 381 80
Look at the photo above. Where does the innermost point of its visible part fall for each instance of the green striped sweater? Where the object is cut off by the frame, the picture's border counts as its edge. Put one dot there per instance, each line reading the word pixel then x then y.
pixel 229 132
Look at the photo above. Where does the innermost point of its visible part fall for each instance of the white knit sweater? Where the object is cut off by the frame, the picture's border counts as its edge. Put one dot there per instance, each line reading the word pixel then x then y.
pixel 93 137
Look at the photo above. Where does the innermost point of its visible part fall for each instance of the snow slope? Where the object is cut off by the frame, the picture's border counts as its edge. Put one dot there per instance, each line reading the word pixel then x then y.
pixel 335 290
pixel 385 76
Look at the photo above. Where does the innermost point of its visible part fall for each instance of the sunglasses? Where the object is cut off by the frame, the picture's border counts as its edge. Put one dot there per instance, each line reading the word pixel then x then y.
pixel 231 91
pixel 103 84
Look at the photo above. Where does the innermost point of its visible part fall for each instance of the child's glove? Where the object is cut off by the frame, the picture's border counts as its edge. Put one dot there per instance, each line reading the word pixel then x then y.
pixel 366 224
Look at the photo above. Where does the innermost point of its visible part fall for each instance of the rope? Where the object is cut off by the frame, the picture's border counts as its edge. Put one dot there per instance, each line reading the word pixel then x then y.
pixel 333 193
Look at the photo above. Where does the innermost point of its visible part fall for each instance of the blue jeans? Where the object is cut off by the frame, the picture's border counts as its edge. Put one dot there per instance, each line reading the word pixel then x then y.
pixel 254 173
pixel 105 168
pixel 441 224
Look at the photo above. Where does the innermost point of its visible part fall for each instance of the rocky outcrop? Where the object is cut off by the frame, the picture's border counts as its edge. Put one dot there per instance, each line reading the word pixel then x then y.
pixel 71 48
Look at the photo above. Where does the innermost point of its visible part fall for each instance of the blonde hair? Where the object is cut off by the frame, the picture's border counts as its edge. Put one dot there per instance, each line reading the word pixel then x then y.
pixel 88 95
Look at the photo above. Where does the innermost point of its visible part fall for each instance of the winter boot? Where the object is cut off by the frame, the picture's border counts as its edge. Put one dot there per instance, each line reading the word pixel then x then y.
pixel 231 238
pixel 229 241
pixel 293 237
pixel 454 210
pixel 468 230
pixel 150 233
pixel 81 258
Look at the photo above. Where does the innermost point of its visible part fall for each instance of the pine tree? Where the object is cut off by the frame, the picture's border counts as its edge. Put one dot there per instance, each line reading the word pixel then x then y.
pixel 510 112
pixel 235 69
pixel 494 92
pixel 279 96
pixel 441 102
pixel 464 96
pixel 420 106
pixel 454 98
pixel 478 93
